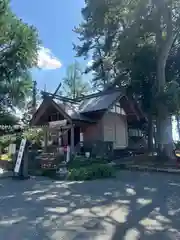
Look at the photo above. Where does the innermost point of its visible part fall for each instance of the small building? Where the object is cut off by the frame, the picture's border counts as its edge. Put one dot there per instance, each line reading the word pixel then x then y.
pixel 105 116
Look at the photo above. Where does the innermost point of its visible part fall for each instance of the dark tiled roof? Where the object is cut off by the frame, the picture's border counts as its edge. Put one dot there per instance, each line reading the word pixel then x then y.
pixel 98 103
pixel 77 110
pixel 92 103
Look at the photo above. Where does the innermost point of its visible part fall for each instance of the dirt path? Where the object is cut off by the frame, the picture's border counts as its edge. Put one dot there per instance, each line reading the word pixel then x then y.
pixel 136 206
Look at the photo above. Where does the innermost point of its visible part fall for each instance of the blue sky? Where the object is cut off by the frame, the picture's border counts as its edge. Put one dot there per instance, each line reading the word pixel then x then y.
pixel 54 20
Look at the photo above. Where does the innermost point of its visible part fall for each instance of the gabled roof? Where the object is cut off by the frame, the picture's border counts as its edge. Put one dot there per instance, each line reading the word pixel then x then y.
pixel 101 102
pixel 72 110
pixel 89 104
pixel 78 108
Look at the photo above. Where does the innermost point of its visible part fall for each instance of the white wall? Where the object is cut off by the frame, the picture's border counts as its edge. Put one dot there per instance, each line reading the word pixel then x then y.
pixel 115 129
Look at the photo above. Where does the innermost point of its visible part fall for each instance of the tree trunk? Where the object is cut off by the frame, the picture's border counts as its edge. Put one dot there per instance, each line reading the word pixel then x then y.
pixel 162 110
pixel 163 120
pixel 165 139
pixel 34 102
pixel 178 124
pixel 155 135
pixel 163 47
pixel 150 133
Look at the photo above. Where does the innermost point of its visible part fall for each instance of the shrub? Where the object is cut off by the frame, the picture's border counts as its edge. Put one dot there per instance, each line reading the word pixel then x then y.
pixel 177 145
pixel 34 136
pixel 95 171
pixel 49 173
pixel 81 161
pixel 6 165
pixel 6 157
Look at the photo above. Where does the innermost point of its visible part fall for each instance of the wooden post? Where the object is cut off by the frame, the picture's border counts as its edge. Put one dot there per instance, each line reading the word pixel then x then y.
pixel 45 138
pixel 25 164
pixel 72 139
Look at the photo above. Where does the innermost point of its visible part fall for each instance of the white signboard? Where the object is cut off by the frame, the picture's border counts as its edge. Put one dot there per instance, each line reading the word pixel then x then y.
pixel 20 155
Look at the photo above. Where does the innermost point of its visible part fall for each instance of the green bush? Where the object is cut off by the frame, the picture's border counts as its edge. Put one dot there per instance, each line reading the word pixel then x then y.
pixel 95 171
pixel 80 161
pixel 177 145
pixel 49 173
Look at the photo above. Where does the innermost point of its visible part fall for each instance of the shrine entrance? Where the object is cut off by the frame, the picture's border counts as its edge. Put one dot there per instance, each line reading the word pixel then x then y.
pixel 60 134
pixel 62 126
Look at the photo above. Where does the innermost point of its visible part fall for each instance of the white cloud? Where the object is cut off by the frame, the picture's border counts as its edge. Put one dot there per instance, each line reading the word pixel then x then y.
pixel 46 60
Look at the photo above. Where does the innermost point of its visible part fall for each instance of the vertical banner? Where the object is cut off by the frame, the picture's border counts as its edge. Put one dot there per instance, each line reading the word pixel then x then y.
pixel 20 156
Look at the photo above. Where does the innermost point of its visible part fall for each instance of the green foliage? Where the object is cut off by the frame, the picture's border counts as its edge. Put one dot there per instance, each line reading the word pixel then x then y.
pixel 19 90
pixel 81 168
pixel 18 53
pixel 49 173
pixel 124 34
pixel 5 140
pixel 95 171
pixel 34 135
pixel 141 41
pixel 170 97
pixel 7 118
pixel 80 161
pixel 73 84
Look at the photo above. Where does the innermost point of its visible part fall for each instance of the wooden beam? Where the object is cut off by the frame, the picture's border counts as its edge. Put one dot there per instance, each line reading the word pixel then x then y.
pixel 98 94
pixel 61 127
pixel 56 91
pixel 78 99
pixel 40 111
pixel 65 99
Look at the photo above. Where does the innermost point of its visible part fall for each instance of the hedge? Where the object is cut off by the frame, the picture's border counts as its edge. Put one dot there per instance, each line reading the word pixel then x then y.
pixel 95 171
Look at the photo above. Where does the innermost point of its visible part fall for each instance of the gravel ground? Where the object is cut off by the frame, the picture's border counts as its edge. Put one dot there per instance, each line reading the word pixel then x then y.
pixel 135 206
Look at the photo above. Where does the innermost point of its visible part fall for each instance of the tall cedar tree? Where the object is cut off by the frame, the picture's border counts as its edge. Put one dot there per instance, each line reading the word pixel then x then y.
pixel 122 26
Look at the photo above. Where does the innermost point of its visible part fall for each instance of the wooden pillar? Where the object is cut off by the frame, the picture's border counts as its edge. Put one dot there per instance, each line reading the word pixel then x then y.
pixel 72 139
pixel 45 138
pixel 59 137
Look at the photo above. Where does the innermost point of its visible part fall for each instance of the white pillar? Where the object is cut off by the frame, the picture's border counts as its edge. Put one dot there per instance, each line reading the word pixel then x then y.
pixel 68 154
pixel 81 137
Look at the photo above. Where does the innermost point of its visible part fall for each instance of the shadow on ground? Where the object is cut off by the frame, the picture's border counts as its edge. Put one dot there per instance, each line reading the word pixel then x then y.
pixel 134 206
